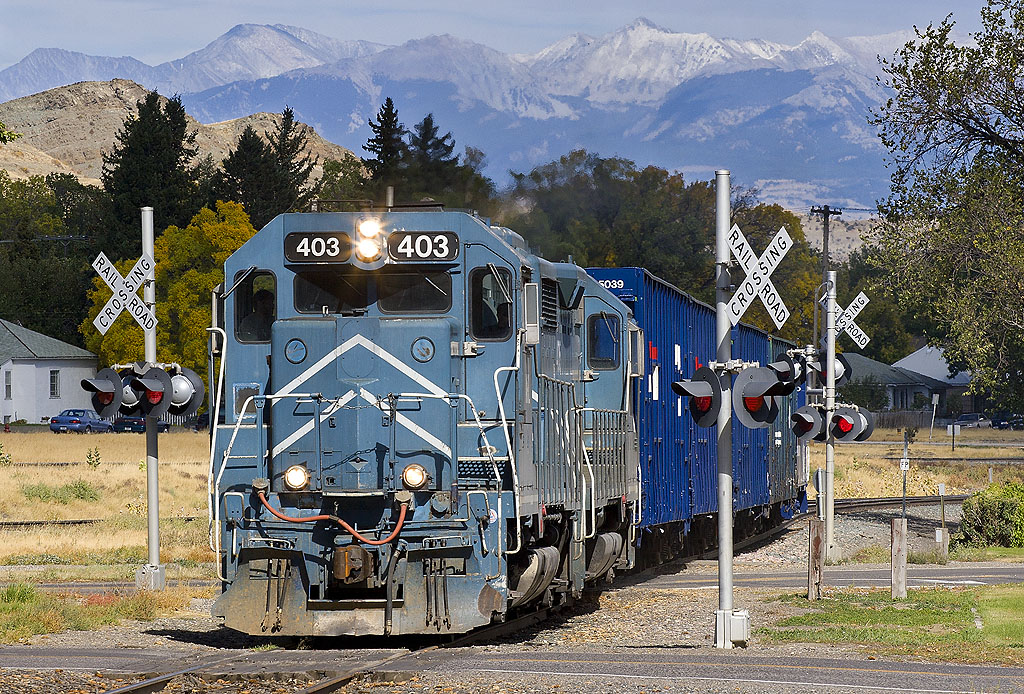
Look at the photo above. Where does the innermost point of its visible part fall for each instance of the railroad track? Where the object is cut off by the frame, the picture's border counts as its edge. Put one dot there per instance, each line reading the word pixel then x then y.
pixel 336 682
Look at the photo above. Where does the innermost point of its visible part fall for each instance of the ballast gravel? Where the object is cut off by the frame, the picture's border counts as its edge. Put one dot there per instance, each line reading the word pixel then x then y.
pixel 626 618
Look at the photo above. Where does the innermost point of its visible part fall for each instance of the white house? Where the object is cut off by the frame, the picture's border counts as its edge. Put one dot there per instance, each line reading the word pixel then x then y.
pixel 40 375
pixel 931 361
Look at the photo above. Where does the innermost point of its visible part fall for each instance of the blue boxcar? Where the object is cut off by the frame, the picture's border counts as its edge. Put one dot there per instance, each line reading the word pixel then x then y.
pixel 679 459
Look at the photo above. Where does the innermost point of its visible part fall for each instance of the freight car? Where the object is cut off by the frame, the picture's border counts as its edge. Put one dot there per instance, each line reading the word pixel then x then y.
pixel 427 427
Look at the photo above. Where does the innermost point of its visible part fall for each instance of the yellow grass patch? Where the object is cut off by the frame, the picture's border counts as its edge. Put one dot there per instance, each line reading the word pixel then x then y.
pixel 110 490
pixel 175 447
pixel 119 540
pixel 864 471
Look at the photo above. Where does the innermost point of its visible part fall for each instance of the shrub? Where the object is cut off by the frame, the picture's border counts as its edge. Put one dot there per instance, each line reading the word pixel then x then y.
pixel 994 516
pixel 92 458
pixel 5 458
pixel 64 494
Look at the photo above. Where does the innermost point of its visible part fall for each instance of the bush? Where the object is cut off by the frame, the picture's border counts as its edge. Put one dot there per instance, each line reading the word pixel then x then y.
pixel 994 516
pixel 64 494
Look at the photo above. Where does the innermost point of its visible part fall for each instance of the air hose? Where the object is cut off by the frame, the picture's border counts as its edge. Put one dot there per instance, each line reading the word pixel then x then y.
pixel 339 521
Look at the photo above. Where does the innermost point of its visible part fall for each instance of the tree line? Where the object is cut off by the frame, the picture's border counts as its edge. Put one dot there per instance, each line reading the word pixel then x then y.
pixel 942 265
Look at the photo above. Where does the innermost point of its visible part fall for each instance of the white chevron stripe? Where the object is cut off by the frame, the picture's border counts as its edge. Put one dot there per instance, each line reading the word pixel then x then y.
pixel 308 426
pixel 335 353
pixel 409 424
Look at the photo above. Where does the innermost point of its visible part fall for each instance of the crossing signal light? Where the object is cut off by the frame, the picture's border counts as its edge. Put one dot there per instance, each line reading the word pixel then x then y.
pixel 843 369
pixel 705 393
pixel 106 392
pixel 755 397
pixel 808 424
pixel 789 371
pixel 147 391
pixel 160 393
pixel 848 424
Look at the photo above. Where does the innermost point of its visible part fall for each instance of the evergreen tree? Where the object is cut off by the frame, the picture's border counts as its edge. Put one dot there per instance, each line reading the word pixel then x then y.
pixel 387 145
pixel 149 166
pixel 253 178
pixel 432 166
pixel 288 143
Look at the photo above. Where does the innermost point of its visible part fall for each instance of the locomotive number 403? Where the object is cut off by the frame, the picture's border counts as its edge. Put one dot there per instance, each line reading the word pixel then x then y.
pixel 317 247
pixel 417 246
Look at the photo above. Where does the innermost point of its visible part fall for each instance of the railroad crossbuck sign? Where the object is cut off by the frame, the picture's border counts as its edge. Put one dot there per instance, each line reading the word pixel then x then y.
pixel 125 297
pixel 759 270
pixel 845 321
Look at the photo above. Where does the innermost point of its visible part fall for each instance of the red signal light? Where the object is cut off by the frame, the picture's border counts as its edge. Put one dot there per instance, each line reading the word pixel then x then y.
pixel 703 403
pixel 104 398
pixel 154 396
pixel 845 424
pixel 753 404
pixel 802 427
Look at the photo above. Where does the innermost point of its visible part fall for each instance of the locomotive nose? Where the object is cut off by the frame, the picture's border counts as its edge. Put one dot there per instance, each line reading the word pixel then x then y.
pixel 382 407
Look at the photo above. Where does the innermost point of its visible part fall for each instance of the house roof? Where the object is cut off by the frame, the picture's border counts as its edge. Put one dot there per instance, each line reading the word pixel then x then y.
pixel 867 369
pixel 17 342
pixel 931 361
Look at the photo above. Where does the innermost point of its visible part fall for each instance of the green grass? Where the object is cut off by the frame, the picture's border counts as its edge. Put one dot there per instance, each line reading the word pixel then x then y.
pixel 62 494
pixel 26 611
pixel 967 553
pixel 935 623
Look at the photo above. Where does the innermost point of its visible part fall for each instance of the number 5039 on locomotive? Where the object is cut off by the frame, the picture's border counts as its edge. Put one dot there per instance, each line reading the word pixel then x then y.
pixel 425 428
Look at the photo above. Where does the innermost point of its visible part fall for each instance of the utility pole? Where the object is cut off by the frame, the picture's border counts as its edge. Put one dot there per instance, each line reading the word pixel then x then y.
pixel 826 212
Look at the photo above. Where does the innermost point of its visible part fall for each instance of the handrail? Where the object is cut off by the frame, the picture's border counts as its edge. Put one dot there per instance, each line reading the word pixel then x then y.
pixel 210 499
pixel 508 441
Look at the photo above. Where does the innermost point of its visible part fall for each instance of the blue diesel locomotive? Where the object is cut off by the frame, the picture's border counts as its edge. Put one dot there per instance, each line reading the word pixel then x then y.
pixel 426 427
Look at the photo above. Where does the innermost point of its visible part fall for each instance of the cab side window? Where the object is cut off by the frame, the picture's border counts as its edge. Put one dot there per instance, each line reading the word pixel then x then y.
pixel 255 307
pixel 490 304
pixel 603 349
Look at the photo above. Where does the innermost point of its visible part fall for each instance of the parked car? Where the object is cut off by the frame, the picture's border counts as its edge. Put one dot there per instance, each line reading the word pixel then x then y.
pixel 972 419
pixel 137 425
pixel 78 420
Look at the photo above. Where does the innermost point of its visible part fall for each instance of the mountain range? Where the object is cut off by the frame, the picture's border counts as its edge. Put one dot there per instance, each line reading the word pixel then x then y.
pixel 791 120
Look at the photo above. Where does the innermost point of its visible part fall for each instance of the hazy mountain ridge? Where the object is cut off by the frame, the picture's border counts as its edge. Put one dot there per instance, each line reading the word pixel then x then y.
pixel 793 117
pixel 67 130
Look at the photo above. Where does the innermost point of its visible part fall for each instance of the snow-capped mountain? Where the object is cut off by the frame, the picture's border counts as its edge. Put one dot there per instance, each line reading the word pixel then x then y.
pixel 246 52
pixel 789 117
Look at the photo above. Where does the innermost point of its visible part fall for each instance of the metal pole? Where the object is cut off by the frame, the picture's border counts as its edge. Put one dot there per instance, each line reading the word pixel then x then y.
pixel 904 466
pixel 830 408
pixel 725 621
pixel 151 576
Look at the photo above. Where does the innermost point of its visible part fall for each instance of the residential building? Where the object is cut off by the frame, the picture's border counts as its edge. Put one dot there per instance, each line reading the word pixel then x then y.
pixel 40 375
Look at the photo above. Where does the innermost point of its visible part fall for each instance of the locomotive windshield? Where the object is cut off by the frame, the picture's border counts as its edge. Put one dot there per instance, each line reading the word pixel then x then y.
pixel 399 290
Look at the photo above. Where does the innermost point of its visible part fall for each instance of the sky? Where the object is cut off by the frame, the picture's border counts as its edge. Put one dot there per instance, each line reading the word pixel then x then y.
pixel 155 31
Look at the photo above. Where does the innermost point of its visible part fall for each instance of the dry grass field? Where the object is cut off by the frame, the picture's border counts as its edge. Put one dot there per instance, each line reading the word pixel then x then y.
pixel 870 470
pixel 115 490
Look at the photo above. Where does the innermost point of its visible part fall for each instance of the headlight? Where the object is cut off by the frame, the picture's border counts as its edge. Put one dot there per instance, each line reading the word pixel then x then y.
pixel 414 476
pixel 369 228
pixel 367 250
pixel 296 477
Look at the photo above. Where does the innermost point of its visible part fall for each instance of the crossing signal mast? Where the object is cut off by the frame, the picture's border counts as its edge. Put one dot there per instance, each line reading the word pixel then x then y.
pixel 144 388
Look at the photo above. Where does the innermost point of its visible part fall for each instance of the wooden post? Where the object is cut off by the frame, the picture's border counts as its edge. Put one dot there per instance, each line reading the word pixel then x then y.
pixel 899 558
pixel 942 544
pixel 815 557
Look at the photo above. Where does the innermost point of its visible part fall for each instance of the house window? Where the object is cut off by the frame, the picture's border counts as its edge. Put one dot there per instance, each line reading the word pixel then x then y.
pixel 55 383
pixel 7 385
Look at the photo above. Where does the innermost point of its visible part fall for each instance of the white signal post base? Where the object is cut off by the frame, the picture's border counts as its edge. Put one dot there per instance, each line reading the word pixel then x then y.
pixel 732 627
pixel 150 577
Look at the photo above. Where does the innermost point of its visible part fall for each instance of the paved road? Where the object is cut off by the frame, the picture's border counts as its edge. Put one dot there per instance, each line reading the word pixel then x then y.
pixel 730 671
pixel 918 575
